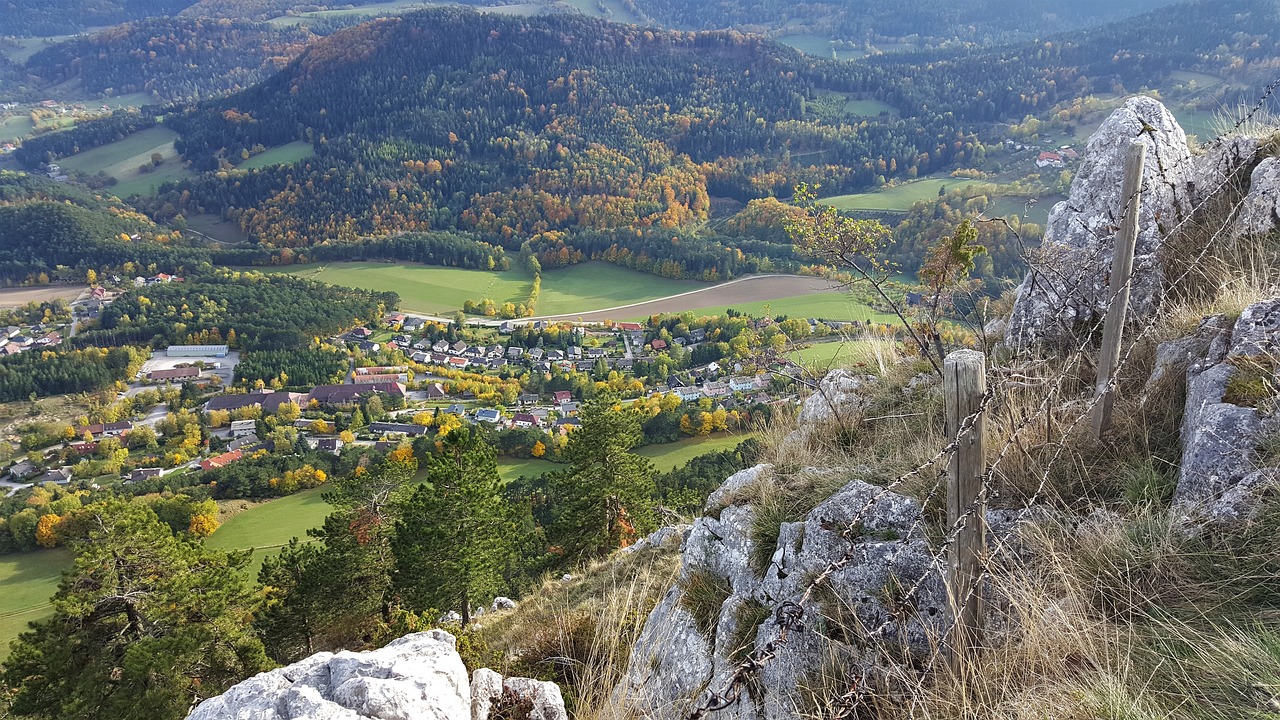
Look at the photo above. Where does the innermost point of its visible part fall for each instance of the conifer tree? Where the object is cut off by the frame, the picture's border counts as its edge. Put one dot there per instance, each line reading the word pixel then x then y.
pixel 605 499
pixel 145 624
pixel 454 535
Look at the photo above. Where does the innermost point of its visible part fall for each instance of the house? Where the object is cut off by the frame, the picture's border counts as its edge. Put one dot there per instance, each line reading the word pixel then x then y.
pixel 630 327
pixel 222 460
pixel 58 476
pixel 413 323
pixel 688 394
pixel 398 428
pixel 496 363
pixel 367 347
pixel 575 352
pixel 10 349
pixel 568 408
pixel 457 409
pixel 488 415
pixel 507 327
pixel 542 414
pixel 495 351
pixel 397 319
pixel 625 364
pixel 270 402
pixel 84 448
pixel 743 384
pixel 1049 159
pixel 114 429
pixel 435 391
pixel 536 354
pixel 528 399
pixel 143 474
pixel 350 394
pixel 1069 154
pixel 658 344
pixel 473 352
pixel 240 428
pixel 459 363
pixel 698 335
pixel 562 396
pixel 565 425
pixel 514 352
pixel 197 351
pixel 22 469
pixel 715 389
pixel 440 346
pixel 554 355
pixel 595 352
pixel 524 420
pixel 361 333
pixel 678 341
pixel 439 358
pixel 330 445
pixel 180 374
pixel 458 347
pixel 389 378
pixel 420 357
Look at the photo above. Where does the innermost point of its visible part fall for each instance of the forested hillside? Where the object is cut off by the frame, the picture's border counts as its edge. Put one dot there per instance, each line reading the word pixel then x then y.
pixel 929 20
pixel 57 17
pixel 46 224
pixel 172 59
pixel 438 115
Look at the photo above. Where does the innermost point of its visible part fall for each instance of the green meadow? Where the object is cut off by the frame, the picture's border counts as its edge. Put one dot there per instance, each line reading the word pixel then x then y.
pixel 896 198
pixel 282 155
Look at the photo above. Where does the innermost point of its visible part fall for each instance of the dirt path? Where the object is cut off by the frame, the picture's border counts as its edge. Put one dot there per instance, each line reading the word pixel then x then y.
pixel 17 297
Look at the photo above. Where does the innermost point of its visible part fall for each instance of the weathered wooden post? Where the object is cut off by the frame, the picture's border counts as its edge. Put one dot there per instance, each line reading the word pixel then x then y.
pixel 965 384
pixel 1121 282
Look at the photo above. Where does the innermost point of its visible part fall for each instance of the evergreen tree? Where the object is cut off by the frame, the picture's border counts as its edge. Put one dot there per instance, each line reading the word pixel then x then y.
pixel 454 536
pixel 605 499
pixel 145 624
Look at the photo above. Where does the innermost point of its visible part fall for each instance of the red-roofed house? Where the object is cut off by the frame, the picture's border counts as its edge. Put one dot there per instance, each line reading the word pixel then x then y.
pixel 222 460
pixel 1049 159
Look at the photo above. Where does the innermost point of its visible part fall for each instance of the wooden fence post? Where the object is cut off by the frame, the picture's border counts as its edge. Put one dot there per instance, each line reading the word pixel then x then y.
pixel 965 384
pixel 1121 282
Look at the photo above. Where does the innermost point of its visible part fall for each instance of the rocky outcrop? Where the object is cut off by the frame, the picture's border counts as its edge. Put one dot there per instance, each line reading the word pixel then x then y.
pixel 1232 396
pixel 417 677
pixel 693 641
pixel 1260 213
pixel 1069 287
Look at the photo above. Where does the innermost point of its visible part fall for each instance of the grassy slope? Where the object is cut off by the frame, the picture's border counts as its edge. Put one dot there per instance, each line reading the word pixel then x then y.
pixel 121 160
pixel 897 198
pixel 430 289
pixel 828 306
pixel 283 155
pixel 28 579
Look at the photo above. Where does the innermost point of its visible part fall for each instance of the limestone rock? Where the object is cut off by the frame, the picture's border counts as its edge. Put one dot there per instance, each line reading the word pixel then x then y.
pixel 1224 161
pixel 663 536
pixel 732 488
pixel 1260 213
pixel 1175 357
pixel 493 696
pixel 1071 284
pixel 835 399
pixel 674 666
pixel 417 677
pixel 1219 472
pixel 503 603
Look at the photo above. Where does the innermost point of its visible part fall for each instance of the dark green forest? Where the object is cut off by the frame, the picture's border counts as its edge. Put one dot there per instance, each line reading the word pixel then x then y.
pixel 264 311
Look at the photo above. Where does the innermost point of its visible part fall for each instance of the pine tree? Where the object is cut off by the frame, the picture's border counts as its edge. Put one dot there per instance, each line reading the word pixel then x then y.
pixel 454 536
pixel 144 625
pixel 605 498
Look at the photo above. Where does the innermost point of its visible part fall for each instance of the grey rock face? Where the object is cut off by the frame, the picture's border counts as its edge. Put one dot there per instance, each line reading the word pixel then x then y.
pixel 1224 161
pixel 1071 285
pixel 1220 465
pixel 417 677
pixel 674 666
pixel 495 696
pixel 835 399
pixel 1260 213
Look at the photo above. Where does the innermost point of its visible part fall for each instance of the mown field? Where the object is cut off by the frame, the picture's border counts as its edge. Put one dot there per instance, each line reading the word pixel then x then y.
pixel 897 198
pixel 831 305
pixel 283 155
pixel 122 159
pixel 432 289
pixel 28 580
pixel 819 46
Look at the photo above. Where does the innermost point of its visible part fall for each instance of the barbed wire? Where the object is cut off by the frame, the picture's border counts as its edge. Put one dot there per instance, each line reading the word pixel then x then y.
pixel 788 616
